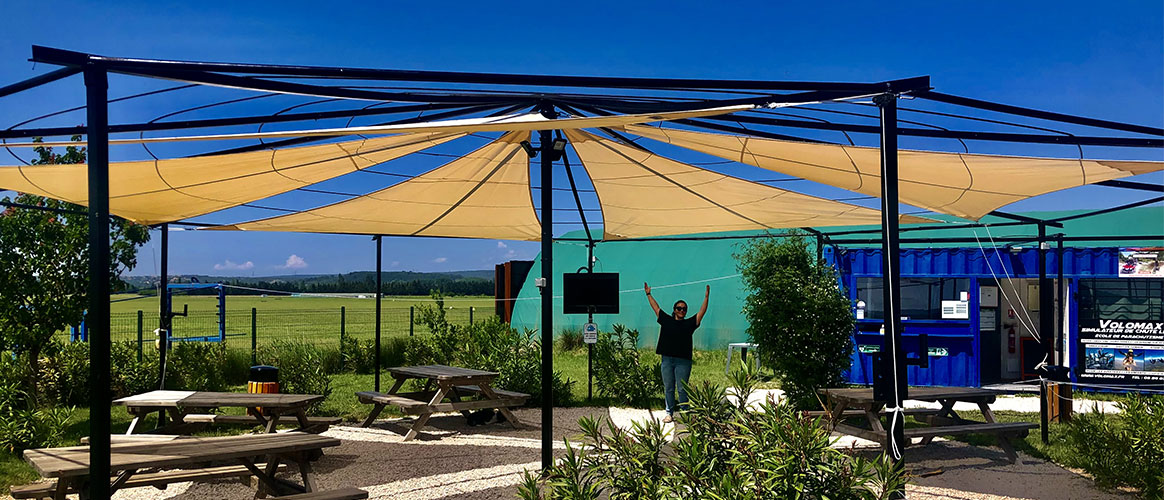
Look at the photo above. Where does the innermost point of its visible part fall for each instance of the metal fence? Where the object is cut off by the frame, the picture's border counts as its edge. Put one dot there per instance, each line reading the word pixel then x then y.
pixel 322 327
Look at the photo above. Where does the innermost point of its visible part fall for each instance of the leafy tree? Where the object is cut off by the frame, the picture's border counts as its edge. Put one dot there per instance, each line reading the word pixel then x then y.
pixel 44 255
pixel 797 314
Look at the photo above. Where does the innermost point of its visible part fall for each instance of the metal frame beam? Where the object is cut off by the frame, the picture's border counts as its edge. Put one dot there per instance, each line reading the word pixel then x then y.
pixel 71 58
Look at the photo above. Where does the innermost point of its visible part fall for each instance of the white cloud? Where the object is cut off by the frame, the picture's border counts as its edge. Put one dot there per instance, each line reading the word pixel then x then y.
pixel 440 260
pixel 394 263
pixel 501 244
pixel 234 266
pixel 294 262
pixel 511 254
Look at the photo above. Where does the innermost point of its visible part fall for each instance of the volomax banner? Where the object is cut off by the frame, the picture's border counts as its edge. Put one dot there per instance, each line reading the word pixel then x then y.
pixel 1141 262
pixel 1122 352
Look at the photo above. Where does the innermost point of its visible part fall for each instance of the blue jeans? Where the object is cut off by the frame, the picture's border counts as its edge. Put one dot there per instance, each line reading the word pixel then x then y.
pixel 676 372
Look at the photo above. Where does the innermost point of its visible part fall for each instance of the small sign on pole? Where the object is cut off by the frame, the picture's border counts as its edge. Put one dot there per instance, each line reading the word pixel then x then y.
pixel 590 333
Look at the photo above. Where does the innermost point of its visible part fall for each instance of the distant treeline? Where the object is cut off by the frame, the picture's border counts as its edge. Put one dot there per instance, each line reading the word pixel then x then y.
pixel 342 284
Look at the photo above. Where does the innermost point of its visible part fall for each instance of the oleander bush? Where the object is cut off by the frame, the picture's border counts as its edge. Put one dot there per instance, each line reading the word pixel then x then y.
pixel 198 366
pixel 726 451
pixel 622 374
pixel 1125 449
pixel 489 344
pixel 25 422
pixel 303 368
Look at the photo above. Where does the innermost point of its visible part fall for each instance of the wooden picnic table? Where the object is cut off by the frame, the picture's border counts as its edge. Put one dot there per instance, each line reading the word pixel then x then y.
pixel 188 407
pixel 194 456
pixel 843 403
pixel 451 382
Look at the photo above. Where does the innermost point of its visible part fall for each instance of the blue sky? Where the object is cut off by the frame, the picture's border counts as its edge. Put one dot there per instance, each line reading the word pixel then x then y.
pixel 1071 57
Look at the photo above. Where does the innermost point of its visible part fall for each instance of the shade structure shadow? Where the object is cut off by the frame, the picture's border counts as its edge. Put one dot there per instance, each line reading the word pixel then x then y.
pixel 455 460
pixel 957 470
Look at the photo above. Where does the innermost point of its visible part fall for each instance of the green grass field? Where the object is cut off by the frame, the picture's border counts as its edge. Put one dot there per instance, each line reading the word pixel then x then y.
pixel 317 319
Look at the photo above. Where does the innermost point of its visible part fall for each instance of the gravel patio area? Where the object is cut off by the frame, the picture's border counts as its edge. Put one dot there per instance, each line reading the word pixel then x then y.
pixel 455 461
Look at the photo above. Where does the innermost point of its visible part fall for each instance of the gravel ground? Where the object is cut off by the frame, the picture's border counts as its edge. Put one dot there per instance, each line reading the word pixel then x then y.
pixel 454 461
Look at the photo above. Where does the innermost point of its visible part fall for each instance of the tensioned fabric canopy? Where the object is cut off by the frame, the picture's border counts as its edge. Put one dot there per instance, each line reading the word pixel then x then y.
pixel 483 194
pixel 963 185
pixel 486 194
pixel 151 192
pixel 643 194
pixel 156 191
pixel 526 122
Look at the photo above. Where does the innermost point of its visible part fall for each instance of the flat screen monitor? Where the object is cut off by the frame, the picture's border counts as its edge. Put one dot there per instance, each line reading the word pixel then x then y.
pixel 584 293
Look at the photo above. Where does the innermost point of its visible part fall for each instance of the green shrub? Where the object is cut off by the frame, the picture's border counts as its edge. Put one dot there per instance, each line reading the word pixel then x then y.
pixel 64 373
pixel 128 375
pixel 360 355
pixel 198 366
pixel 1125 449
pixel 726 451
pixel 490 345
pixel 570 339
pixel 798 315
pixel 22 424
pixel 302 368
pixel 621 373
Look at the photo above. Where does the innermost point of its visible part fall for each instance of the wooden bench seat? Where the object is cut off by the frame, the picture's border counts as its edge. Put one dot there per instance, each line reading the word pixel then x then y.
pixel 502 393
pixel 1017 429
pixel 340 494
pixel 407 405
pixel 861 413
pixel 137 438
pixel 214 418
pixel 156 479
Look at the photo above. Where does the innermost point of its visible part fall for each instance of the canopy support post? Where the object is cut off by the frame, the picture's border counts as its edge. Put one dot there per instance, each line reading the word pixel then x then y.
pixel 164 308
pixel 547 165
pixel 893 363
pixel 97 117
pixel 379 290
pixel 1046 326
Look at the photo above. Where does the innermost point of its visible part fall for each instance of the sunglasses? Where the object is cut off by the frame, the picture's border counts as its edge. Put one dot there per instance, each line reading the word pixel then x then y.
pixel 679 308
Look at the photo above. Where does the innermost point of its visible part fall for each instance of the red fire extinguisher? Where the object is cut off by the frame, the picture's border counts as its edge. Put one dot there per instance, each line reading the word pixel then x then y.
pixel 1010 339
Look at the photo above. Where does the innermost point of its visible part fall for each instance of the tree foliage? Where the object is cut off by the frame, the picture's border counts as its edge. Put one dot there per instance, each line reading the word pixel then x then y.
pixel 45 258
pixel 797 314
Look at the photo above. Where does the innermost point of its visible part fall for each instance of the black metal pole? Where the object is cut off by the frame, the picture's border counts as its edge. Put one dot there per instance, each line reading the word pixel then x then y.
pixel 411 320
pixel 163 305
pixel 254 336
pixel 140 325
pixel 97 117
pixel 379 288
pixel 1065 390
pixel 163 314
pixel 893 368
pixel 589 319
pixel 547 165
pixel 1046 325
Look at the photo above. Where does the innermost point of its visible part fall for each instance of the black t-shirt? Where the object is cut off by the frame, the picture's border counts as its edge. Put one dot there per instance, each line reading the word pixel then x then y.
pixel 675 336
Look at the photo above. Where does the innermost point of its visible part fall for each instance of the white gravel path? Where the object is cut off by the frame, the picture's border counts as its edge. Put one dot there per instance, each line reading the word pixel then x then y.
pixel 454 461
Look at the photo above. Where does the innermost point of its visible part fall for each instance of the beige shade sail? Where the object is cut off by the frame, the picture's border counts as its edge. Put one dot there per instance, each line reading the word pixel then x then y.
pixel 508 123
pixel 484 194
pixel 963 185
pixel 643 195
pixel 151 192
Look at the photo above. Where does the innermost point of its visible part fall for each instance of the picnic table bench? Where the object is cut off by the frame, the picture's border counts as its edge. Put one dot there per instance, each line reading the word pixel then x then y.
pixel 158 463
pixel 189 410
pixel 452 383
pixel 857 402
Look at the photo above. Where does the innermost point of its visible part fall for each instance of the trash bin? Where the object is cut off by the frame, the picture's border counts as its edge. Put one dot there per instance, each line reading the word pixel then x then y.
pixel 263 380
